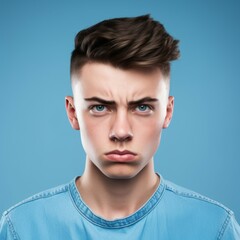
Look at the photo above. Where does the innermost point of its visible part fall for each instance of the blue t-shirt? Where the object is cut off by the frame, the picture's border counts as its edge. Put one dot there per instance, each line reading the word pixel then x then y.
pixel 172 212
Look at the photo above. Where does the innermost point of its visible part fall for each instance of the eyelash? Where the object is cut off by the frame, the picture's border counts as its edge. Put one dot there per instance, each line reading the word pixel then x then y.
pixel 95 106
pixel 145 105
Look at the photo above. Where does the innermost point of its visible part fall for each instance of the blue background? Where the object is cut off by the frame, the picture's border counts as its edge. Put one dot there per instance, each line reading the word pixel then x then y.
pixel 38 148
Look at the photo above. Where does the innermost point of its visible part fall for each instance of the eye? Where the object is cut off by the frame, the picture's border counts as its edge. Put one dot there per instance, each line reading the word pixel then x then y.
pixel 99 108
pixel 143 108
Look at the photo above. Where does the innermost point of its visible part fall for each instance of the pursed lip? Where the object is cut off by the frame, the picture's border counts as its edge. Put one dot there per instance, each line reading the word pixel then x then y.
pixel 120 156
pixel 121 152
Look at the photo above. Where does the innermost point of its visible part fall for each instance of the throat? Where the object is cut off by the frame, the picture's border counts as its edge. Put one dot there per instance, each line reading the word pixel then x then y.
pixel 116 198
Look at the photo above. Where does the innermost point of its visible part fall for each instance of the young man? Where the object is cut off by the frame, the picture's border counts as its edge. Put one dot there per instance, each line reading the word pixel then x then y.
pixel 120 74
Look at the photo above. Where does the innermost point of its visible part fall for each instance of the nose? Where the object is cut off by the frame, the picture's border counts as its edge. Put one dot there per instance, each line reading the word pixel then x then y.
pixel 121 130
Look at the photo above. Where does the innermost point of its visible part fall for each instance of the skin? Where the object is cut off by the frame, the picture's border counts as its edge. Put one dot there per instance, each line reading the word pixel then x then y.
pixel 122 110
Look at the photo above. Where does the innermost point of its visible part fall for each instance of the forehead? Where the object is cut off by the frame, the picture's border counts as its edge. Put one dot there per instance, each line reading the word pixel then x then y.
pixel 103 80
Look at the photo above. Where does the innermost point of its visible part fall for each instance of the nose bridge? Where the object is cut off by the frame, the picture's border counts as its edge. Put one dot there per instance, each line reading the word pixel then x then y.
pixel 121 126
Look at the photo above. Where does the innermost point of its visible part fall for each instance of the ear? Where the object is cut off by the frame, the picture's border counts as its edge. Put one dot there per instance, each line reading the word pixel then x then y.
pixel 169 112
pixel 71 112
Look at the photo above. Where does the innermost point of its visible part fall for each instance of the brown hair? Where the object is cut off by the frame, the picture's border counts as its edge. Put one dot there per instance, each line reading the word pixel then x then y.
pixel 127 43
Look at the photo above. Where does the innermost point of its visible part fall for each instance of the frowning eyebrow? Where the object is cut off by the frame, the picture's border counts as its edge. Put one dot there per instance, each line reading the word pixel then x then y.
pixel 100 100
pixel 142 100
pixel 110 102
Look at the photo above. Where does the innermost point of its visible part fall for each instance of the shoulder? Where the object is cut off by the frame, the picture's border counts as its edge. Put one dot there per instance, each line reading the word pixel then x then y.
pixel 39 199
pixel 41 209
pixel 196 210
pixel 50 211
pixel 188 195
pixel 36 206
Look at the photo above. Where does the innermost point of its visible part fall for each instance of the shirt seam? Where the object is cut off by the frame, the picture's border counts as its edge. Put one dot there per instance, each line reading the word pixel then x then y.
pixel 224 226
pixel 38 196
pixel 199 197
pixel 11 228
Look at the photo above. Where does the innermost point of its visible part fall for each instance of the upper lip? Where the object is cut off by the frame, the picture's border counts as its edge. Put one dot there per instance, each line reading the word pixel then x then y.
pixel 121 152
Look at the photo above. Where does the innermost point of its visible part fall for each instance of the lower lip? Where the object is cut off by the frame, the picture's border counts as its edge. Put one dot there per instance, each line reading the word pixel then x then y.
pixel 121 158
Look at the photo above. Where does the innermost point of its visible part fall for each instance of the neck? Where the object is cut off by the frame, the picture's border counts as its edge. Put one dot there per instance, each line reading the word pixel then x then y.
pixel 116 198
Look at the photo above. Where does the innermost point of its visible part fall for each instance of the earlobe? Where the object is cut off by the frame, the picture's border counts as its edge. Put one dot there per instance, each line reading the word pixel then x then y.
pixel 169 112
pixel 71 112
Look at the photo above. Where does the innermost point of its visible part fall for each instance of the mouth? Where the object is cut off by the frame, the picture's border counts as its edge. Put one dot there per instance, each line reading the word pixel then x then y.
pixel 121 156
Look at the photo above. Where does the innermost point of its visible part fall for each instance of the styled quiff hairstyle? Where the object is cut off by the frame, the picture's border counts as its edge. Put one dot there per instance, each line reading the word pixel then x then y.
pixel 139 43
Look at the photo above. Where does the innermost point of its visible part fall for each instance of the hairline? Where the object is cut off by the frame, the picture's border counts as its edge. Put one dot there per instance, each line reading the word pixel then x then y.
pixel 145 70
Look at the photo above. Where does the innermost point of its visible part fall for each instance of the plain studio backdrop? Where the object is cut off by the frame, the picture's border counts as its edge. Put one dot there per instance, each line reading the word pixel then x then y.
pixel 39 149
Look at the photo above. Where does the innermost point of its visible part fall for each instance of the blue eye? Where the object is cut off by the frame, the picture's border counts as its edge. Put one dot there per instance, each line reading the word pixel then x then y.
pixel 99 108
pixel 143 108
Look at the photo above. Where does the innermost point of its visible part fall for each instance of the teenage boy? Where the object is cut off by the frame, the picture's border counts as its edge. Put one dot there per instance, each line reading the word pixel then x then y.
pixel 120 75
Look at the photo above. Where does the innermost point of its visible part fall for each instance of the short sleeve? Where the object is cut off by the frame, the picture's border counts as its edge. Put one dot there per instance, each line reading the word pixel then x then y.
pixel 6 229
pixel 232 231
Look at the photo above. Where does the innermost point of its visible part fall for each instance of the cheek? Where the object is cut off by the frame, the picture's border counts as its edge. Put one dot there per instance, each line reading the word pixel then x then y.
pixel 91 132
pixel 149 132
pixel 153 132
pixel 153 140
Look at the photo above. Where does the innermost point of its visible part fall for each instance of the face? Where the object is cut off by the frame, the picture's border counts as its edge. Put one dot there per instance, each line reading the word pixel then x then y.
pixel 120 114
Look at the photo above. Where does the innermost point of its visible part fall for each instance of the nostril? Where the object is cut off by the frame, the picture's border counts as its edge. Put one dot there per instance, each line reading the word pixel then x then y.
pixel 125 138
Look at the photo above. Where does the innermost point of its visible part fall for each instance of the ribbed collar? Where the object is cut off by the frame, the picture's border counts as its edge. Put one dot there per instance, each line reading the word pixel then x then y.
pixel 86 212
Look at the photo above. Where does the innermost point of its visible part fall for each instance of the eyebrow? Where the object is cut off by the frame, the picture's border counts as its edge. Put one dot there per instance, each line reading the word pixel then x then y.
pixel 110 102
pixel 142 100
pixel 100 100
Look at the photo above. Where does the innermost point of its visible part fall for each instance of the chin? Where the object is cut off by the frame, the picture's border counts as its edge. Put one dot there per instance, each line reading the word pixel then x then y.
pixel 120 177
pixel 121 173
